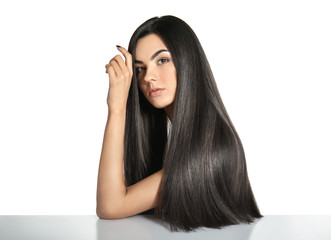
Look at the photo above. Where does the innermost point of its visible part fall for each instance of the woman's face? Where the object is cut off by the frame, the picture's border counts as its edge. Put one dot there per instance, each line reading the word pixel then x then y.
pixel 155 69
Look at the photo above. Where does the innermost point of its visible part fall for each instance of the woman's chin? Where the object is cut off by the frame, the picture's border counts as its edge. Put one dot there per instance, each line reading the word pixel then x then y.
pixel 160 105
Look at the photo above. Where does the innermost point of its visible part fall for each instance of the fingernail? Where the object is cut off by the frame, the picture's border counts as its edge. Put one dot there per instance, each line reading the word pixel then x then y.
pixel 118 46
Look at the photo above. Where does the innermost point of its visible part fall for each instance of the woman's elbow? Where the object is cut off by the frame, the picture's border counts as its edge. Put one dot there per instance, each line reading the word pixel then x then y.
pixel 108 213
pixel 100 213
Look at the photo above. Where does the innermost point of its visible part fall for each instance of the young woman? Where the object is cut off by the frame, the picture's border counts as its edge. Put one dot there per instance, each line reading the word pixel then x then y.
pixel 169 146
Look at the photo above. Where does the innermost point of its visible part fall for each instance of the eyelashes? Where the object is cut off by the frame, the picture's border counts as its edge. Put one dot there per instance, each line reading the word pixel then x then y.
pixel 140 69
pixel 166 59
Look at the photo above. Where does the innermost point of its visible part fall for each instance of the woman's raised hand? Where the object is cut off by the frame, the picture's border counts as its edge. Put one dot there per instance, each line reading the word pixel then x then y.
pixel 120 77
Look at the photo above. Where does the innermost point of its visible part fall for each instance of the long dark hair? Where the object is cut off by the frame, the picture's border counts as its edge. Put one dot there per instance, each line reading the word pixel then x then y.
pixel 205 181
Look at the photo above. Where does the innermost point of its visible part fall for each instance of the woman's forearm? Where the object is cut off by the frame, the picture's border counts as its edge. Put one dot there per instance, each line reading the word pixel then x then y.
pixel 111 188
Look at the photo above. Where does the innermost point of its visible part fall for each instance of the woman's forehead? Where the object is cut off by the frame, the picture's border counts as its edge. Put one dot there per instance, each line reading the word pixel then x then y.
pixel 149 45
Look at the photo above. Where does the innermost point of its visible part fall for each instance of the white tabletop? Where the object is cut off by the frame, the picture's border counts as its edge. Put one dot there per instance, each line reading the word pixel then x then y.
pixel 144 227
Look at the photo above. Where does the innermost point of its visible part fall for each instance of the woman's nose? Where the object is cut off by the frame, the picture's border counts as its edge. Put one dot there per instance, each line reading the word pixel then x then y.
pixel 150 75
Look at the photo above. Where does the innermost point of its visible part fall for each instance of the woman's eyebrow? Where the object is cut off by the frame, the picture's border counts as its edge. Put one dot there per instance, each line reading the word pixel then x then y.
pixel 153 56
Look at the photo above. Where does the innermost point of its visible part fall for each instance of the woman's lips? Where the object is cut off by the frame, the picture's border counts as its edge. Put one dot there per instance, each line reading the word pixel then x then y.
pixel 156 93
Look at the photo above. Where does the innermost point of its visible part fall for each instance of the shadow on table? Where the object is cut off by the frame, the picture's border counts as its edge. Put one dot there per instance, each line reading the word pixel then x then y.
pixel 148 226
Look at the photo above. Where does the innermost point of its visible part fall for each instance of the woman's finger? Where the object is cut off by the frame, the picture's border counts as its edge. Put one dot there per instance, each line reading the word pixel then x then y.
pixel 107 67
pixel 111 72
pixel 121 63
pixel 128 58
pixel 116 67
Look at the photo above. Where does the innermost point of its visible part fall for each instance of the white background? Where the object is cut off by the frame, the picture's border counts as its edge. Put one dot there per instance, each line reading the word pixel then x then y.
pixel 271 61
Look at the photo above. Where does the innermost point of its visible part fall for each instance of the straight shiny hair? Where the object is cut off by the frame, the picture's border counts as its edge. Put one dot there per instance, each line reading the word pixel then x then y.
pixel 205 181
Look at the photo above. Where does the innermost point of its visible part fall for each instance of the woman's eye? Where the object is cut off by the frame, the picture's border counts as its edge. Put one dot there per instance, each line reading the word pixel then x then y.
pixel 138 70
pixel 163 60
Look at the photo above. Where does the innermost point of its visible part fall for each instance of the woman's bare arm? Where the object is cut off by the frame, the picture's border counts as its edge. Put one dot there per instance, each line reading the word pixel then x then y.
pixel 111 188
pixel 141 196
pixel 114 200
